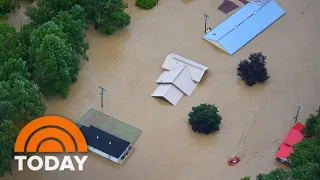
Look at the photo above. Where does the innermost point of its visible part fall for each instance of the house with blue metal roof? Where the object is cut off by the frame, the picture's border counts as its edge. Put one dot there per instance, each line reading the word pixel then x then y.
pixel 245 24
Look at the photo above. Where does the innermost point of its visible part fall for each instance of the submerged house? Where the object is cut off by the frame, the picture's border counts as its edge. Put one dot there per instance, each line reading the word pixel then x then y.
pixel 244 25
pixel 105 144
pixel 107 136
pixel 180 76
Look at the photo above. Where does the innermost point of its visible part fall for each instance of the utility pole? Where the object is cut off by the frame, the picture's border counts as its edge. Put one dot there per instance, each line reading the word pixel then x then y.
pixel 205 22
pixel 101 95
pixel 296 117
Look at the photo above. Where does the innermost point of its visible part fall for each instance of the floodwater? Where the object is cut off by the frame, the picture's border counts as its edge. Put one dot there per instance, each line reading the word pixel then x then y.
pixel 255 119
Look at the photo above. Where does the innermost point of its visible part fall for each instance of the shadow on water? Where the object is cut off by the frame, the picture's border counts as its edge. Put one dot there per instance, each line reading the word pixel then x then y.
pixel 251 90
pixel 204 78
pixel 163 101
pixel 216 49
pixel 203 140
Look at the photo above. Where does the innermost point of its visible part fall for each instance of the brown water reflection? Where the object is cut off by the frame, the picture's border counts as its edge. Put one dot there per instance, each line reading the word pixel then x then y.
pixel 255 119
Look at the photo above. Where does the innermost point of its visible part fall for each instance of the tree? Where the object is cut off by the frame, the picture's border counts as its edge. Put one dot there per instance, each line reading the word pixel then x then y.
pixel 21 100
pixel 308 150
pixel 108 15
pixel 246 178
pixel 312 122
pixel 8 5
pixel 253 70
pixel 38 35
pixel 205 118
pixel 277 174
pixel 146 4
pixel 78 13
pixel 8 134
pixel 56 64
pixel 9 43
pixel 14 66
pixel 308 171
pixel 41 13
pixel 24 39
pixel 45 10
pixel 74 30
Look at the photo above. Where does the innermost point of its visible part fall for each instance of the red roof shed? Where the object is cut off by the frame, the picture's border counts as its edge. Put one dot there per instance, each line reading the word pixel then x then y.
pixel 293 137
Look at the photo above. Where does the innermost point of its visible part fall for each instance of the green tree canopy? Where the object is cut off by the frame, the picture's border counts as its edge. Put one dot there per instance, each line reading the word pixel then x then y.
pixel 38 35
pixel 308 171
pixel 78 13
pixel 14 66
pixel 246 178
pixel 277 174
pixel 306 151
pixel 146 4
pixel 205 118
pixel 56 64
pixel 21 100
pixel 41 13
pixel 8 5
pixel 24 39
pixel 312 124
pixel 8 134
pixel 108 15
pixel 74 30
pixel 9 46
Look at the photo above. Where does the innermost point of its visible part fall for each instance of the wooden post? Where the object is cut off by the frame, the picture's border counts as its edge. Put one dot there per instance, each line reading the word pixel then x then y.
pixel 296 117
pixel 101 94
pixel 205 22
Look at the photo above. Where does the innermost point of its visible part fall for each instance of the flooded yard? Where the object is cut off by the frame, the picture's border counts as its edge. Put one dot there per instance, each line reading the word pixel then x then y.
pixel 254 119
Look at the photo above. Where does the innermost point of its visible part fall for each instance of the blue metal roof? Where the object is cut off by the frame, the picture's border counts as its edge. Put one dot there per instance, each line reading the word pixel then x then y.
pixel 244 25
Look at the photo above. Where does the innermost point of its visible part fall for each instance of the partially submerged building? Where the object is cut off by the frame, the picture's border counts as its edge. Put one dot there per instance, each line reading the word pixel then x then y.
pixel 293 137
pixel 180 76
pixel 244 25
pixel 107 136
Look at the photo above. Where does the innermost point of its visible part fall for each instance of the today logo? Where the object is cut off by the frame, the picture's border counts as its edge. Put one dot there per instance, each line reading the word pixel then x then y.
pixel 50 134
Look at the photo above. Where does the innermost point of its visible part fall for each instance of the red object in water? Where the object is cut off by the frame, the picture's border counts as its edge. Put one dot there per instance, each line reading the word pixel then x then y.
pixel 293 137
pixel 233 161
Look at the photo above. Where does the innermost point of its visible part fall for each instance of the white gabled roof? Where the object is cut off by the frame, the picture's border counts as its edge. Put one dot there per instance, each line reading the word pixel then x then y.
pixel 170 76
pixel 181 76
pixel 173 61
pixel 168 91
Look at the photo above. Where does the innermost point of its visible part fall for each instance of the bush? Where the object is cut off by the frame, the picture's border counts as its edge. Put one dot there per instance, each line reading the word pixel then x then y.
pixel 146 4
pixel 205 118
pixel 108 16
pixel 8 5
pixel 253 70
pixel 3 17
pixel 274 175
pixel 246 178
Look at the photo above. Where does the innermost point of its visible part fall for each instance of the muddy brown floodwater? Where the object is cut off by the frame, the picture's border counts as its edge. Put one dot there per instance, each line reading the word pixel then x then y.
pixel 255 119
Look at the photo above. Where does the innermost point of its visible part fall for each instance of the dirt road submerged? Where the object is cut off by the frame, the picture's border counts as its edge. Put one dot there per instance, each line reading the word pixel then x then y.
pixel 255 119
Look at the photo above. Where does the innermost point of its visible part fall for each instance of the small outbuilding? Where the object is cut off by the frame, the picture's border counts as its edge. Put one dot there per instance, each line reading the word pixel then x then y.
pixel 107 136
pixel 293 137
pixel 244 25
